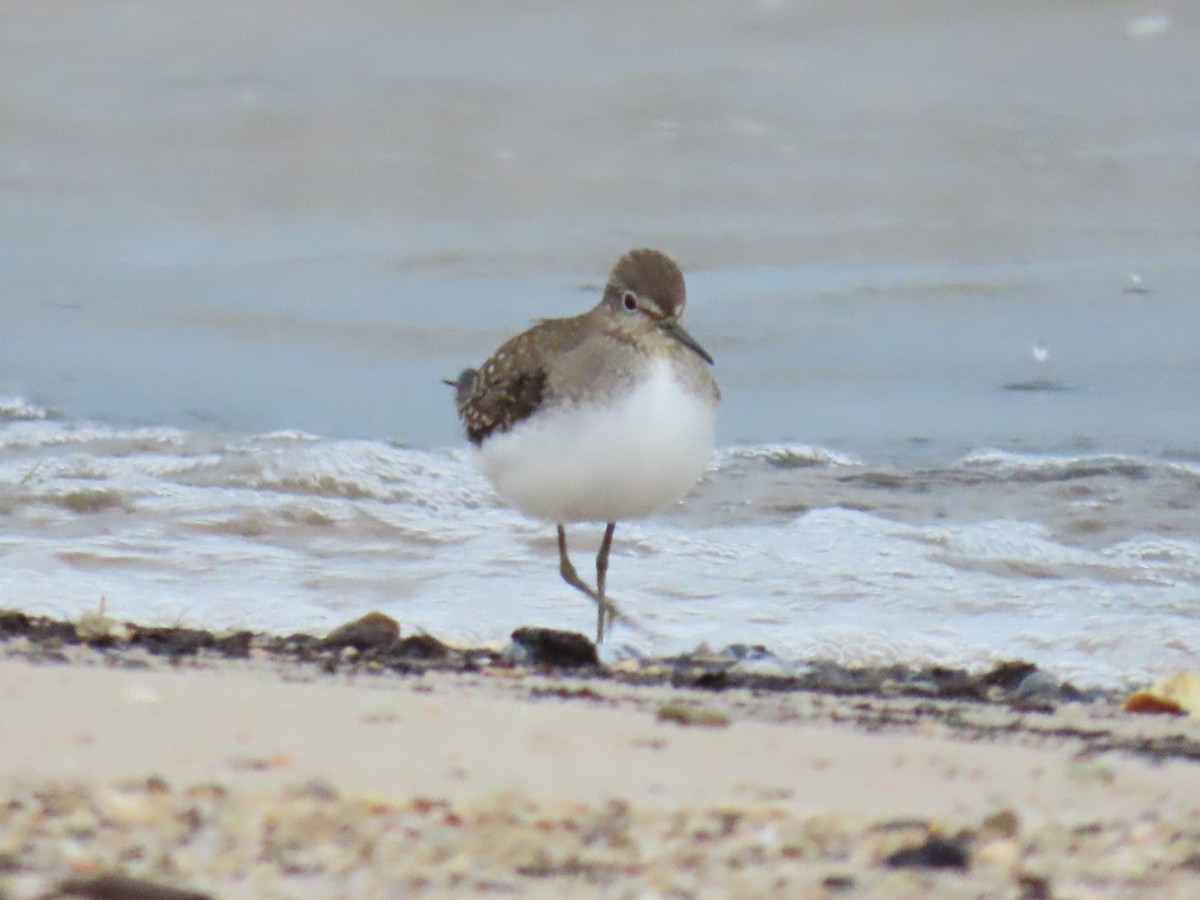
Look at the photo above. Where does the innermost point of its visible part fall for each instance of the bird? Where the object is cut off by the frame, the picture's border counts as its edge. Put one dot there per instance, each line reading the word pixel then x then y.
pixel 605 416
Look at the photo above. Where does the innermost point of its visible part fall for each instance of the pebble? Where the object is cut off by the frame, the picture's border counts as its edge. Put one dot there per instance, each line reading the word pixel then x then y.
pixel 369 632
pixel 551 647
pixel 171 842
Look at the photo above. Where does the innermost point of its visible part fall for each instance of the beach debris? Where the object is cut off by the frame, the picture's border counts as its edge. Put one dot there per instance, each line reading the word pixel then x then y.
pixel 176 642
pixel 1034 887
pixel 1009 673
pixel 1038 692
pixel 692 716
pixel 96 627
pixel 1178 695
pixel 937 852
pixel 368 632
pixel 1136 285
pixel 123 887
pixel 1036 386
pixel 272 763
pixel 421 647
pixel 1005 824
pixel 89 500
pixel 313 839
pixel 838 882
pixel 551 647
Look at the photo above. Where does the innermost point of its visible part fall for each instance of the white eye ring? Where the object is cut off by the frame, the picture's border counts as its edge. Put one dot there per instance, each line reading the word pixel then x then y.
pixel 630 301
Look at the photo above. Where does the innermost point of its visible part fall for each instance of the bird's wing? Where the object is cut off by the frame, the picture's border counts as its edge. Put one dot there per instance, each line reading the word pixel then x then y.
pixel 506 390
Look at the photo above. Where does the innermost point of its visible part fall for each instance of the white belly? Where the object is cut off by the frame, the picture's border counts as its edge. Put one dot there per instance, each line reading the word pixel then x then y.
pixel 597 463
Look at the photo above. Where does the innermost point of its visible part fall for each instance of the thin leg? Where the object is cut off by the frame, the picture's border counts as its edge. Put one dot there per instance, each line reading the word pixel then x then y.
pixel 570 576
pixel 602 605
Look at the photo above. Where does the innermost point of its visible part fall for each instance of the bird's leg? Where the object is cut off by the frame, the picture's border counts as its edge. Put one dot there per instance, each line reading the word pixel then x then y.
pixel 570 576
pixel 602 605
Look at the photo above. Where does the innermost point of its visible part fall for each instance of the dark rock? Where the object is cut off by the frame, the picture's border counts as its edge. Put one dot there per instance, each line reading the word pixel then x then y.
pixel 13 623
pixel 174 642
pixel 551 647
pixel 301 646
pixel 236 645
pixel 1009 674
pixel 937 852
pixel 1068 693
pixel 419 646
pixel 1004 823
pixel 122 887
pixel 101 641
pixel 956 684
pixel 1034 887
pixel 717 680
pixel 38 629
pixel 834 679
pixel 373 630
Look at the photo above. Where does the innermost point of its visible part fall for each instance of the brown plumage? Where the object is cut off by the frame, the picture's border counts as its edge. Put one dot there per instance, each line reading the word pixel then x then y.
pixel 584 370
pixel 525 371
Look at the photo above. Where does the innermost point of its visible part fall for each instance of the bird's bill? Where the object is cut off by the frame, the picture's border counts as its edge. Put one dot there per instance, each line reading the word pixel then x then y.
pixel 675 330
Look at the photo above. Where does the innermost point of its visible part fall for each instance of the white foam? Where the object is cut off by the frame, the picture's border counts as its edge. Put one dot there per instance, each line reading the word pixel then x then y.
pixel 789 456
pixel 281 532
pixel 20 409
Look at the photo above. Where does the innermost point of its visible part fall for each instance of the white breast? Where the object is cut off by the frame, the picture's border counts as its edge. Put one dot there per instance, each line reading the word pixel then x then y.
pixel 599 462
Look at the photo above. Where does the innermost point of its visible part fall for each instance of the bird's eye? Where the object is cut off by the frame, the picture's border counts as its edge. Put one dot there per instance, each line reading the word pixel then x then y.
pixel 630 300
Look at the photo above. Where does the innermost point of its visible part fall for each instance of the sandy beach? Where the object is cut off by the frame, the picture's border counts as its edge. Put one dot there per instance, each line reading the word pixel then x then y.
pixel 201 773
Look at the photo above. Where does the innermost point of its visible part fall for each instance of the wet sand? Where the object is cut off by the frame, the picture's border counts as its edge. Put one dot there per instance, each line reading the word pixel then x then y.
pixel 332 776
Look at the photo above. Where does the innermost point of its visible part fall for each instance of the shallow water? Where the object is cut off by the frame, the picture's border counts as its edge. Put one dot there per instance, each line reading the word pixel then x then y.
pixel 949 283
pixel 1088 564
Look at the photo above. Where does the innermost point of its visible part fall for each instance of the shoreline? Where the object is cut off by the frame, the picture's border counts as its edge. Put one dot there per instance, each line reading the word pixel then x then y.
pixel 240 770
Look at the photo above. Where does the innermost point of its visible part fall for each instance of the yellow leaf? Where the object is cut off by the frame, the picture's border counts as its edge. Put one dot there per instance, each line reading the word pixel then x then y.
pixel 1179 694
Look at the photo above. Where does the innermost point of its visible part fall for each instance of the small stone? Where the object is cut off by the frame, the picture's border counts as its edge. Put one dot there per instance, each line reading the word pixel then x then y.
pixel 375 629
pixel 937 852
pixel 236 645
pixel 421 647
pixel 837 882
pixel 170 641
pixel 1009 673
pixel 122 887
pixel 1034 887
pixel 694 716
pixel 1005 823
pixel 1037 686
pixel 552 647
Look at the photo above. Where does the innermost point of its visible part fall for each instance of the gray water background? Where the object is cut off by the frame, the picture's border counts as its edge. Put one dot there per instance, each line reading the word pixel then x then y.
pixel 259 216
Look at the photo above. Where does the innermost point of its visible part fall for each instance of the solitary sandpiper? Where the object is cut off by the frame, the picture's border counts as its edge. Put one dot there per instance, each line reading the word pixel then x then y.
pixel 599 417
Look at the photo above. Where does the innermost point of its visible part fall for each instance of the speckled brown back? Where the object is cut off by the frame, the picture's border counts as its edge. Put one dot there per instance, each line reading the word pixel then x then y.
pixel 511 385
pixel 560 360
